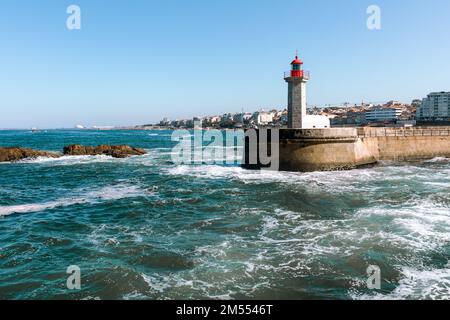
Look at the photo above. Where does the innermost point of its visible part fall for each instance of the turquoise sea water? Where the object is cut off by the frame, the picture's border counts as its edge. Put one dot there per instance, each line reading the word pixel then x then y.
pixel 145 228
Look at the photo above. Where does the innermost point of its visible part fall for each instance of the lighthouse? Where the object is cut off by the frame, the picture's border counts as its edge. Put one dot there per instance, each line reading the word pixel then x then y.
pixel 297 79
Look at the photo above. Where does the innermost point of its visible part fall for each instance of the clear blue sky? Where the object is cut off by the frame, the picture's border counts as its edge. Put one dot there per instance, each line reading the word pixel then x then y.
pixel 135 62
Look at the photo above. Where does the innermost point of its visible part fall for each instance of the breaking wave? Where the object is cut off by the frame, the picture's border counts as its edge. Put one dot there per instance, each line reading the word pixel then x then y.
pixel 68 160
pixel 416 284
pixel 80 197
pixel 220 231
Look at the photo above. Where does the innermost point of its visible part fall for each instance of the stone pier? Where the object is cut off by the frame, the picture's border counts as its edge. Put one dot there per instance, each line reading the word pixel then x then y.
pixel 347 148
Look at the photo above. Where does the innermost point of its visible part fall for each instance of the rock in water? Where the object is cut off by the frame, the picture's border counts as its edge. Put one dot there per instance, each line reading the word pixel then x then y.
pixel 113 151
pixel 16 153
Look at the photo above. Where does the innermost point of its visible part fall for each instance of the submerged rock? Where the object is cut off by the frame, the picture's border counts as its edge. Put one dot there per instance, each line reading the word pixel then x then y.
pixel 16 154
pixel 113 151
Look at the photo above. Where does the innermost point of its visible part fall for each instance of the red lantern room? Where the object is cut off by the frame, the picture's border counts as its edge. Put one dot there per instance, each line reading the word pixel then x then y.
pixel 297 71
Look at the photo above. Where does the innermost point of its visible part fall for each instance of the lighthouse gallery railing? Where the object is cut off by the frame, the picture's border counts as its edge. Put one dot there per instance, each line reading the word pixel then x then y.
pixel 305 74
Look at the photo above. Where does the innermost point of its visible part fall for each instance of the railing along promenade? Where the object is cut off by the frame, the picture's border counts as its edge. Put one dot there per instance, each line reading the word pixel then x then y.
pixel 403 132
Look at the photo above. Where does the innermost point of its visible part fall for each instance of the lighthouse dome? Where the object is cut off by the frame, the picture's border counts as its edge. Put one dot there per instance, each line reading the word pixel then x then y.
pixel 296 61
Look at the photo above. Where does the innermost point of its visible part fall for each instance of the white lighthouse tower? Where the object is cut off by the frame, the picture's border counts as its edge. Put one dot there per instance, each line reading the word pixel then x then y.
pixel 297 117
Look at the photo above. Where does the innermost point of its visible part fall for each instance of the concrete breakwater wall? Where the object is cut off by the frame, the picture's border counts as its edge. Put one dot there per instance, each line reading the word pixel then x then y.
pixel 347 148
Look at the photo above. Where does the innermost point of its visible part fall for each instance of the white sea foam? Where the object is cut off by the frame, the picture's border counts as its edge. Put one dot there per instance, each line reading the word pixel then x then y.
pixel 69 160
pixel 134 296
pixel 158 284
pixel 86 159
pixel 80 197
pixel 299 243
pixel 427 284
pixel 438 159
pixel 346 180
pixel 298 252
pixel 421 224
pixel 205 171
pixel 183 284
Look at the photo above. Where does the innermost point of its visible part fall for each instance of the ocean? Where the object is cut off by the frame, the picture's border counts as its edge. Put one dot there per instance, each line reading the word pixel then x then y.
pixel 146 228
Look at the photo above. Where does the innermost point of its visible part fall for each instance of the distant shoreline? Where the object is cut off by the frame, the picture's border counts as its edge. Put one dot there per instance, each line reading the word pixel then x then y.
pixel 117 129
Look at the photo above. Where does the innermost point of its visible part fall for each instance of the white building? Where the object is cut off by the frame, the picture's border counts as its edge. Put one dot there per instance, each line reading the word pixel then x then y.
pixel 435 107
pixel 392 103
pixel 215 119
pixel 164 122
pixel 383 114
pixel 263 118
pixel 316 122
